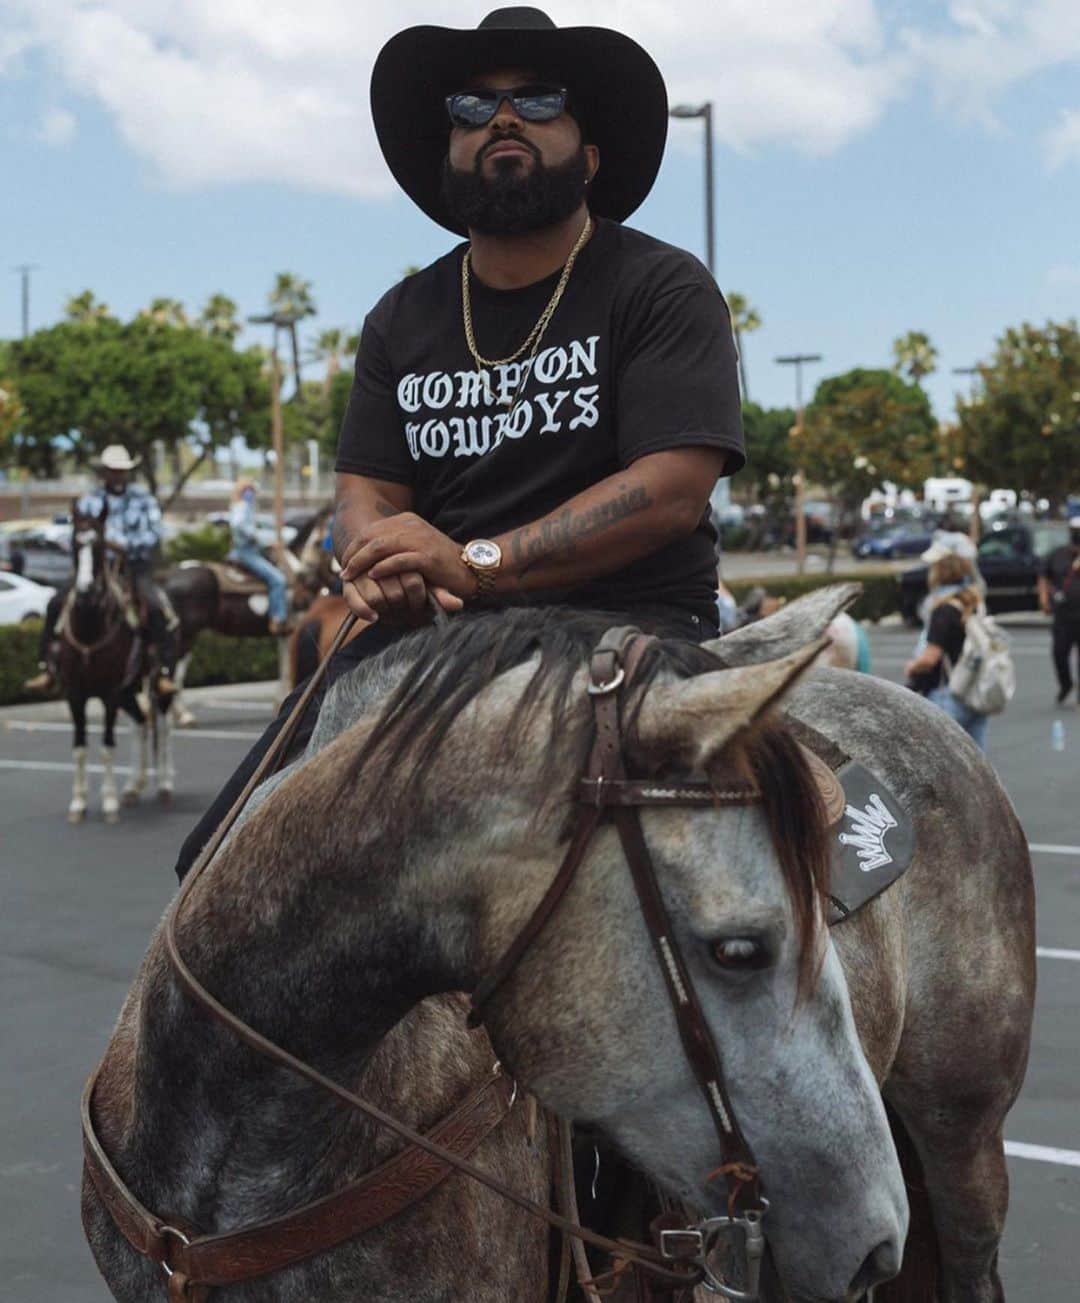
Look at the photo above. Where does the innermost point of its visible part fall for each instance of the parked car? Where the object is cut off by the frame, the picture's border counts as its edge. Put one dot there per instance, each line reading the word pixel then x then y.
pixel 1010 559
pixel 22 599
pixel 908 538
pixel 42 554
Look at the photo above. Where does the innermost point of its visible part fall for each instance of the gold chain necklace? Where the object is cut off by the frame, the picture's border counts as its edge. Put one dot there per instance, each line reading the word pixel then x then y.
pixel 532 341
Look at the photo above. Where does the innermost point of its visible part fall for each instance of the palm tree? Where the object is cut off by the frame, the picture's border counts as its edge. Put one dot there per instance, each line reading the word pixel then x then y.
pixel 165 312
pixel 914 355
pixel 218 317
pixel 744 319
pixel 329 347
pixel 84 309
pixel 291 297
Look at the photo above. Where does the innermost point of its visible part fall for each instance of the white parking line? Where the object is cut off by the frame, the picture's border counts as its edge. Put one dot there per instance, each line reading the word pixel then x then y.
pixel 1048 952
pixel 1046 848
pixel 1043 1153
pixel 212 734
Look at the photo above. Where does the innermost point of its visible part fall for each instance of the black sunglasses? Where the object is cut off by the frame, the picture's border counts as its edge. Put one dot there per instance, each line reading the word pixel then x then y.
pixel 534 103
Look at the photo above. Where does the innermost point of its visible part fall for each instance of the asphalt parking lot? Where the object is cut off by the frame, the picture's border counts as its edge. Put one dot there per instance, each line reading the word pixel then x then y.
pixel 78 904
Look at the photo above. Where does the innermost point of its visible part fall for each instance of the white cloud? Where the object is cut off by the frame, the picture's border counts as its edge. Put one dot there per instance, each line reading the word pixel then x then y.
pixel 992 46
pixel 215 91
pixel 1062 141
pixel 57 127
pixel 245 90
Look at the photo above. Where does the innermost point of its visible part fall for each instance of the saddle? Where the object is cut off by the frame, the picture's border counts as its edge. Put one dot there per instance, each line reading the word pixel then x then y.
pixel 232 579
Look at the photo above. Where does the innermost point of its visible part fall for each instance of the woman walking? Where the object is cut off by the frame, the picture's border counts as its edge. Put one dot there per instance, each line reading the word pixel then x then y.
pixel 954 594
pixel 245 552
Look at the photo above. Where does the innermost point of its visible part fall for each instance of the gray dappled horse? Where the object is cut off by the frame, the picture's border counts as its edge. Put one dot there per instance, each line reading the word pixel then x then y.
pixel 98 657
pixel 349 893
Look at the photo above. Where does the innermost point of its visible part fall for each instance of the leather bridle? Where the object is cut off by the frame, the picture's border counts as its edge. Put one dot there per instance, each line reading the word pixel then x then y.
pixel 194 1263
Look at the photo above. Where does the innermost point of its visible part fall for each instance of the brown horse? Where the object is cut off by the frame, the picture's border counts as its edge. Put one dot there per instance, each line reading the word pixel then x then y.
pixel 227 600
pixel 311 639
pixel 102 655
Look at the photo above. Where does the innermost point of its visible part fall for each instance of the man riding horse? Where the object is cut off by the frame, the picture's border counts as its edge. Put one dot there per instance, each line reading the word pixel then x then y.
pixel 540 415
pixel 133 532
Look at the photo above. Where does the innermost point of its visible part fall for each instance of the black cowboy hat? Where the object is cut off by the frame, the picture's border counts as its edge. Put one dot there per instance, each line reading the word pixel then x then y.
pixel 616 93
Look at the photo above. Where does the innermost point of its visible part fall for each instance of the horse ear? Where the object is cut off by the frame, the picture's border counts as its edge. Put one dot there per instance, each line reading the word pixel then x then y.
pixel 786 630
pixel 688 722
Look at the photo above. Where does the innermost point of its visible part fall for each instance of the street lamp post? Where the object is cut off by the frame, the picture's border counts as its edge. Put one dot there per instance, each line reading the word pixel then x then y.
pixel 797 360
pixel 279 321
pixel 722 490
pixel 975 524
pixel 704 111
pixel 24 270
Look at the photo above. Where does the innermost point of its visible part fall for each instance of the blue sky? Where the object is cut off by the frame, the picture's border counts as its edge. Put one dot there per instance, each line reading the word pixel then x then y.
pixel 880 167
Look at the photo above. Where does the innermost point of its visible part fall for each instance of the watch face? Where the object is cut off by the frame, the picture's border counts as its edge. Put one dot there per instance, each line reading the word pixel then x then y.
pixel 484 554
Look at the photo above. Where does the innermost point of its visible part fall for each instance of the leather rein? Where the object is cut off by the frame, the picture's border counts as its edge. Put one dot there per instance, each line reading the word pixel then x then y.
pixel 194 1263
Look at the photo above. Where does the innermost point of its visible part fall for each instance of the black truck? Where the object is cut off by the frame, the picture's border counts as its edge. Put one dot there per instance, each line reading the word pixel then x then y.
pixel 1011 558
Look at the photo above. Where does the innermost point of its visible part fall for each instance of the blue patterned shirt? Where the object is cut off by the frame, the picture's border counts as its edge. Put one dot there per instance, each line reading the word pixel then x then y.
pixel 133 522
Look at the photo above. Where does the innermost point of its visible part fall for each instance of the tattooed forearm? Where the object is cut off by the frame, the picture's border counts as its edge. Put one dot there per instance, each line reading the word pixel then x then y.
pixel 385 508
pixel 557 537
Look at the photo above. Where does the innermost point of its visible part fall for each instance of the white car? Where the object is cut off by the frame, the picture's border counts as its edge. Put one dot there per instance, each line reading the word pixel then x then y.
pixel 21 599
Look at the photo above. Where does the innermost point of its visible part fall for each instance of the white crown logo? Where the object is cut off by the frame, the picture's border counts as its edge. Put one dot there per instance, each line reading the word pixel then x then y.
pixel 869 827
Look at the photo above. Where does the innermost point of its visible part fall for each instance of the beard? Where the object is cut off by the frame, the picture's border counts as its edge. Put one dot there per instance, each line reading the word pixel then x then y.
pixel 516 200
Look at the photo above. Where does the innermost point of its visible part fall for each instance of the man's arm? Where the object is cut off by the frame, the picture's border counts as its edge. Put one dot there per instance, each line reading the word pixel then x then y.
pixel 360 503
pixel 657 499
pixel 1045 601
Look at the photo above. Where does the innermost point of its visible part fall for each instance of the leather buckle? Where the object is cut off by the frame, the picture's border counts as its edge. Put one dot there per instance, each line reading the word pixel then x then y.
pixel 602 689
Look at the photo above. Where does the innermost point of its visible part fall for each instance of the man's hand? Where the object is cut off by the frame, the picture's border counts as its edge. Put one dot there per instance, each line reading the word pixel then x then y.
pixel 385 551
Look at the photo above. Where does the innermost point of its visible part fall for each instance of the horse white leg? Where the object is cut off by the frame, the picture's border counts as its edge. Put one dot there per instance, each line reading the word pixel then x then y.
pixel 77 808
pixel 110 800
pixel 182 717
pixel 140 753
pixel 166 767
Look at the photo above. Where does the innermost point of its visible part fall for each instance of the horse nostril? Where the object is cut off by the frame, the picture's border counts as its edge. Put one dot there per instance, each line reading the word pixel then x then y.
pixel 882 1264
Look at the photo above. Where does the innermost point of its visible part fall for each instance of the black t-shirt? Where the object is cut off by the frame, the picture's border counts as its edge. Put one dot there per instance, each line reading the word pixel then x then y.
pixel 1063 571
pixel 946 630
pixel 639 357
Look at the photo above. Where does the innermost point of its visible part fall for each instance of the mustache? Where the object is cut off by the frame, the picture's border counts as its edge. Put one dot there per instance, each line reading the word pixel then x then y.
pixel 504 140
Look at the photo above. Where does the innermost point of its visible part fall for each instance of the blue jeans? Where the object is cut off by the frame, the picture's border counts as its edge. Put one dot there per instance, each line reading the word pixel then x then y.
pixel 252 559
pixel 970 721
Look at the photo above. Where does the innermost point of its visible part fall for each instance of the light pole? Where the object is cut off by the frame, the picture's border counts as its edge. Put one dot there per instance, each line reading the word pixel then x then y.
pixel 704 111
pixel 24 269
pixel 280 321
pixel 975 524
pixel 797 360
pixel 721 494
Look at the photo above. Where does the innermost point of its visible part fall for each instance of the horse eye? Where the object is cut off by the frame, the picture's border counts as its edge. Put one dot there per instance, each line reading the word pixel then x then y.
pixel 734 953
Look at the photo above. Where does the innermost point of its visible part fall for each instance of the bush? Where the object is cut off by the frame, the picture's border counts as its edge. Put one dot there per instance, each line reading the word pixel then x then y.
pixel 204 543
pixel 220 659
pixel 880 595
pixel 215 659
pixel 18 659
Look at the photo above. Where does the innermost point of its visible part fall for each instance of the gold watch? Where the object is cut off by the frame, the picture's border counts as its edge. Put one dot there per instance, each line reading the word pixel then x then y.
pixel 483 557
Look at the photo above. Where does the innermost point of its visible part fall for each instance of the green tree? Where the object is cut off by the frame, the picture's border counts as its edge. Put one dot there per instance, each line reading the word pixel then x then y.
pixel 329 347
pixel 11 416
pixel 165 312
pixel 914 356
pixel 291 297
pixel 744 319
pixel 84 386
pixel 864 428
pixel 1021 427
pixel 218 317
pixel 769 463
pixel 84 309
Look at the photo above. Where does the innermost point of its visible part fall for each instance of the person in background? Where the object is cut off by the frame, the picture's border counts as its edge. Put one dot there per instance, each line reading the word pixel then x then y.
pixel 245 551
pixel 954 594
pixel 133 531
pixel 1059 597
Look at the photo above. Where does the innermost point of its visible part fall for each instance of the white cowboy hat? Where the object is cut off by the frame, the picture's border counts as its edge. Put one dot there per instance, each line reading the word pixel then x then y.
pixel 949 544
pixel 117 458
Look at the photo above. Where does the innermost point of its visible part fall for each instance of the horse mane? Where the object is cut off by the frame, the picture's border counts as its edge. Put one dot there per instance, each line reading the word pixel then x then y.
pixel 446 666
